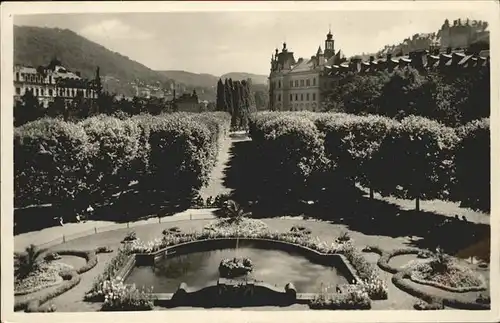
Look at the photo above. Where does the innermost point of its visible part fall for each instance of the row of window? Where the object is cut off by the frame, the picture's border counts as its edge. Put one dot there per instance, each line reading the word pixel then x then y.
pixel 50 92
pixel 299 83
pixel 297 97
pixel 33 78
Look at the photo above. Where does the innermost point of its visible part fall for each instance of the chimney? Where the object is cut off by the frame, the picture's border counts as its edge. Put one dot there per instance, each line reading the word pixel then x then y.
pixel 389 56
pixel 78 74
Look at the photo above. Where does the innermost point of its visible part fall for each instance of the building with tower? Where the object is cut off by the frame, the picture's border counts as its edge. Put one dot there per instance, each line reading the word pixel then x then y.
pixel 296 85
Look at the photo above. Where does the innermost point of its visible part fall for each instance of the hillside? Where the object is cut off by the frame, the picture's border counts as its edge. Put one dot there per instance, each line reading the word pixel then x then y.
pixel 209 80
pixel 36 46
pixel 192 79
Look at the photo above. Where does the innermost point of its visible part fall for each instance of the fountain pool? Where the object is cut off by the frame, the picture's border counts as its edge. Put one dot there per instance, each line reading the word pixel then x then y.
pixel 197 269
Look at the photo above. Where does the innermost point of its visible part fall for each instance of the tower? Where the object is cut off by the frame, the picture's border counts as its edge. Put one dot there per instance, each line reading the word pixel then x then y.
pixel 329 45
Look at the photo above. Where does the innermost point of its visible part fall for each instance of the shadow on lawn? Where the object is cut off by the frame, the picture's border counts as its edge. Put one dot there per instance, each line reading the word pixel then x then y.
pixel 132 205
pixel 351 207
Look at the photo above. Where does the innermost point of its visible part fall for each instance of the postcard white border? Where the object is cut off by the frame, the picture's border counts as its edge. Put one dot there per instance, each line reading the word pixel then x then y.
pixel 8 10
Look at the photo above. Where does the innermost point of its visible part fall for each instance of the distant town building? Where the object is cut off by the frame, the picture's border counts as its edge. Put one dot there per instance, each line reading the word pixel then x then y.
pixel 303 84
pixel 48 82
pixel 463 33
pixel 187 102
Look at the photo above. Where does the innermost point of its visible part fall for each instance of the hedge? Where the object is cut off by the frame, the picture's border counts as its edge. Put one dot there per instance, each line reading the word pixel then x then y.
pixel 60 162
pixel 414 158
pixel 472 187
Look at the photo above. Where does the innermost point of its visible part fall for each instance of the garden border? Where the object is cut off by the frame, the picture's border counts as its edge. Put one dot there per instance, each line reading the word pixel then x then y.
pixel 71 278
pixel 401 275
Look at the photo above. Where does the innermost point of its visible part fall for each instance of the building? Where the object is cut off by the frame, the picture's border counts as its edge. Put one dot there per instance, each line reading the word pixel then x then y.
pixel 187 103
pixel 462 34
pixel 48 82
pixel 296 84
pixel 303 84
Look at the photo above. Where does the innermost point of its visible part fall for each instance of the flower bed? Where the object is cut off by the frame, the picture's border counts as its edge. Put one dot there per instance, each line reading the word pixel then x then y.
pixel 116 263
pixel 353 297
pixel 235 267
pixel 121 297
pixel 70 277
pixel 456 277
pixel 45 276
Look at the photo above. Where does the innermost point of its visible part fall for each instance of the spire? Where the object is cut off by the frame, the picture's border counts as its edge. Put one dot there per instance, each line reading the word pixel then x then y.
pixel 329 35
pixel 319 52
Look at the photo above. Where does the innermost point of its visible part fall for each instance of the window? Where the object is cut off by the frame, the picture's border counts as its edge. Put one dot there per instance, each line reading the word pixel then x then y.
pixel 301 96
pixel 301 82
pixel 50 79
pixel 279 97
pixel 314 96
pixel 308 82
pixel 50 92
pixel 17 76
pixel 291 97
pixel 279 84
pixel 296 97
pixel 314 81
pixel 307 97
pixel 18 90
pixel 291 83
pixel 296 83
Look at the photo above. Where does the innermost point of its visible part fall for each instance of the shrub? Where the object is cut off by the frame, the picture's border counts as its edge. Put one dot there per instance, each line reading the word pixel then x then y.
pixel 52 256
pixel 290 149
pixel 49 162
pixel 28 261
pixel 472 187
pixel 131 236
pixel 114 146
pixel 415 160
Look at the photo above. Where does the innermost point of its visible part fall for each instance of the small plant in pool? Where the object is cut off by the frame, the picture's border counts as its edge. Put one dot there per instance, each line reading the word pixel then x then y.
pixel 235 267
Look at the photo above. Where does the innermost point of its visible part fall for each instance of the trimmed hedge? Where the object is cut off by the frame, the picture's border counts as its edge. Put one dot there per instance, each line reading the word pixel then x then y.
pixel 414 158
pixel 75 164
pixel 473 164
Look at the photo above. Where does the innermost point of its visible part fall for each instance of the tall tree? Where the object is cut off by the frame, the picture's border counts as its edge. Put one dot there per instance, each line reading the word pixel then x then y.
pixel 28 109
pixel 221 99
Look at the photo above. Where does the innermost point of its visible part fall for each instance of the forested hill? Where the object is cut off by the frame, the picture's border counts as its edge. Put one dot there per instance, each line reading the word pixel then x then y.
pixel 36 46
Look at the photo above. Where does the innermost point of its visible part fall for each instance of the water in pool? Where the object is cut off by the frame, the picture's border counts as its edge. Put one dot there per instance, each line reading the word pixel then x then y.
pixel 270 266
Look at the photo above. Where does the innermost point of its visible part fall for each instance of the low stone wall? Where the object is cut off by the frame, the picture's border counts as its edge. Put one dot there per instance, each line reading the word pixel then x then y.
pixel 228 293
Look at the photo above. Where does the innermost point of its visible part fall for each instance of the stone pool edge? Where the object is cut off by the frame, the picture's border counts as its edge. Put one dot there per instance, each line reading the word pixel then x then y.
pixel 287 294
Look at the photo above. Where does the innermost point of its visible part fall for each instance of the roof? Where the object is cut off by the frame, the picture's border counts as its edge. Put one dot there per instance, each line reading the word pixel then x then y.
pixel 305 65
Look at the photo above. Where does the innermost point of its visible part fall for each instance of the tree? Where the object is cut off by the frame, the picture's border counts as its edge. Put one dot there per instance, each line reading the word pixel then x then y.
pixel 28 109
pixel 415 160
pixel 57 107
pixel 234 212
pixel 220 101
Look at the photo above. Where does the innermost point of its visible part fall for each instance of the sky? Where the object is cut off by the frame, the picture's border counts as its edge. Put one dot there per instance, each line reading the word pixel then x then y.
pixel 222 42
